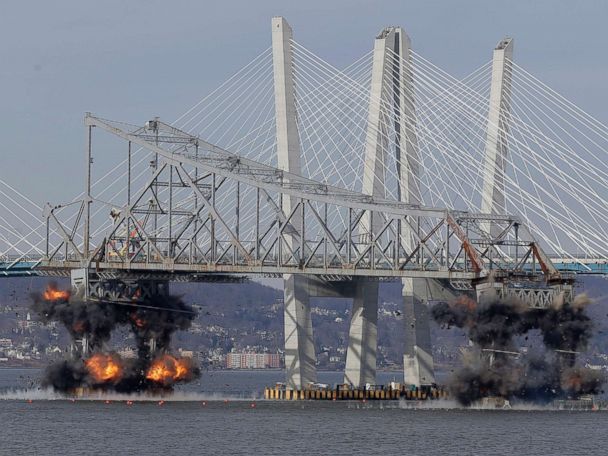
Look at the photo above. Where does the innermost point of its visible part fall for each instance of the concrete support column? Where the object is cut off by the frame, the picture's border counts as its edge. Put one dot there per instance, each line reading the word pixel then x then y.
pixel 79 280
pixel 488 291
pixel 417 358
pixel 363 335
pixel 392 101
pixel 299 344
pixel 363 332
pixel 418 368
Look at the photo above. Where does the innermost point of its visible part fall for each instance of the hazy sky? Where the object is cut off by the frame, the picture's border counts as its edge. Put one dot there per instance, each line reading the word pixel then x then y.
pixel 132 60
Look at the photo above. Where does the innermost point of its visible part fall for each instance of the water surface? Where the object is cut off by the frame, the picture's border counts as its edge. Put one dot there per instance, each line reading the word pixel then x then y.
pixel 247 426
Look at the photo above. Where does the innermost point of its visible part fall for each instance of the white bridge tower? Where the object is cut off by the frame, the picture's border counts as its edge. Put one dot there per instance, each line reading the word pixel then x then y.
pixel 299 342
pixel 496 149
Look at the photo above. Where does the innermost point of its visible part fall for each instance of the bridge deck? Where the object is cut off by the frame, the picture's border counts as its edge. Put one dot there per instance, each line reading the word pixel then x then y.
pixel 35 268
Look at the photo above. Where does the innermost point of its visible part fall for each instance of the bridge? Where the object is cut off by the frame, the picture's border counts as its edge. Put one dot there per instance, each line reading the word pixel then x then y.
pixel 336 179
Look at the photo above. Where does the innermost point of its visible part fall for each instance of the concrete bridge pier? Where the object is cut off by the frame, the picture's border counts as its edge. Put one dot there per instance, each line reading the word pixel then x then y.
pixel 300 359
pixel 363 335
pixel 300 356
pixel 418 367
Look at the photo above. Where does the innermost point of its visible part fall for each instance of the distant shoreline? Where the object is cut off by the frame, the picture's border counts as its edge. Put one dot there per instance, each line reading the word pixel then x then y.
pixel 399 371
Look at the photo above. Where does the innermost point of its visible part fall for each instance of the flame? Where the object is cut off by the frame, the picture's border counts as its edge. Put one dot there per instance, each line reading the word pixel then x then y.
pixel 104 368
pixel 137 321
pixel 53 294
pixel 168 369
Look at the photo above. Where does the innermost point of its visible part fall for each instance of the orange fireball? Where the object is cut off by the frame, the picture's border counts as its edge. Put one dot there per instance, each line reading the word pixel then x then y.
pixel 167 369
pixel 52 293
pixel 104 368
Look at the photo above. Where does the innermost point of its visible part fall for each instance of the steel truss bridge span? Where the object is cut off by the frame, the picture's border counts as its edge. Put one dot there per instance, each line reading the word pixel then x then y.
pixel 179 222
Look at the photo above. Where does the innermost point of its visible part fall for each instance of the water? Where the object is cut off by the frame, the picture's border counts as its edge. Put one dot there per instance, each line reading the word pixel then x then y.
pixel 212 384
pixel 203 426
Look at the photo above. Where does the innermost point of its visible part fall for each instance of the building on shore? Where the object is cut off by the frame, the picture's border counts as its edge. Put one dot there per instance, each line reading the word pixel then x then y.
pixel 236 360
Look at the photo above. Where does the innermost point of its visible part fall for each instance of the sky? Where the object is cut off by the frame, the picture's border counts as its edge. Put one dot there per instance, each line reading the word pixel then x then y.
pixel 133 60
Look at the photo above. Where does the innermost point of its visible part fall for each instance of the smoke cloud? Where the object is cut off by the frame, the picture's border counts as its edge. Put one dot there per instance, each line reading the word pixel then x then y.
pixel 153 322
pixel 497 368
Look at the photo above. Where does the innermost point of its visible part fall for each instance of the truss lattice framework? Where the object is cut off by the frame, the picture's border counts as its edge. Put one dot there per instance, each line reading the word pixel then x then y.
pixel 206 210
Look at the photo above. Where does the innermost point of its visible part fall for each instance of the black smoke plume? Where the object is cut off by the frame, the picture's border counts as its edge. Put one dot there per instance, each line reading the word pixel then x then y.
pixel 498 369
pixel 95 320
pixel 153 322
pixel 158 320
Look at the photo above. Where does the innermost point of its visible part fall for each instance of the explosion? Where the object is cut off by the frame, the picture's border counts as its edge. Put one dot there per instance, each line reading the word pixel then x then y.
pixel 500 371
pixel 579 380
pixel 103 368
pixel 52 293
pixel 167 369
pixel 91 324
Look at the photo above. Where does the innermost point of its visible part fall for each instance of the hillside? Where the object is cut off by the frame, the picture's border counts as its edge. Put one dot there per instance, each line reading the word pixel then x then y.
pixel 250 316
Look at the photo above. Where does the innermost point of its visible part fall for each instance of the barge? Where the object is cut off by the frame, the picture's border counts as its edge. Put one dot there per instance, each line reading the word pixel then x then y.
pixel 346 392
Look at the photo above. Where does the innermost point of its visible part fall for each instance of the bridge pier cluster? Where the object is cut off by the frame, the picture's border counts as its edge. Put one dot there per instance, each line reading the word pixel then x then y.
pixel 360 366
pixel 300 358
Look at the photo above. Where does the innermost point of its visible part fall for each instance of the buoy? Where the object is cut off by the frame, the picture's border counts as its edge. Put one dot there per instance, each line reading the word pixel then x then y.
pixel 129 402
pixel 29 401
pixel 253 405
pixel 107 401
pixel 204 404
pixel 161 402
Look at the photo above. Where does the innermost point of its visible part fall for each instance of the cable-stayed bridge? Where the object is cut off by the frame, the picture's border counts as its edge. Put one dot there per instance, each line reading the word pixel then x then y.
pixel 389 169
